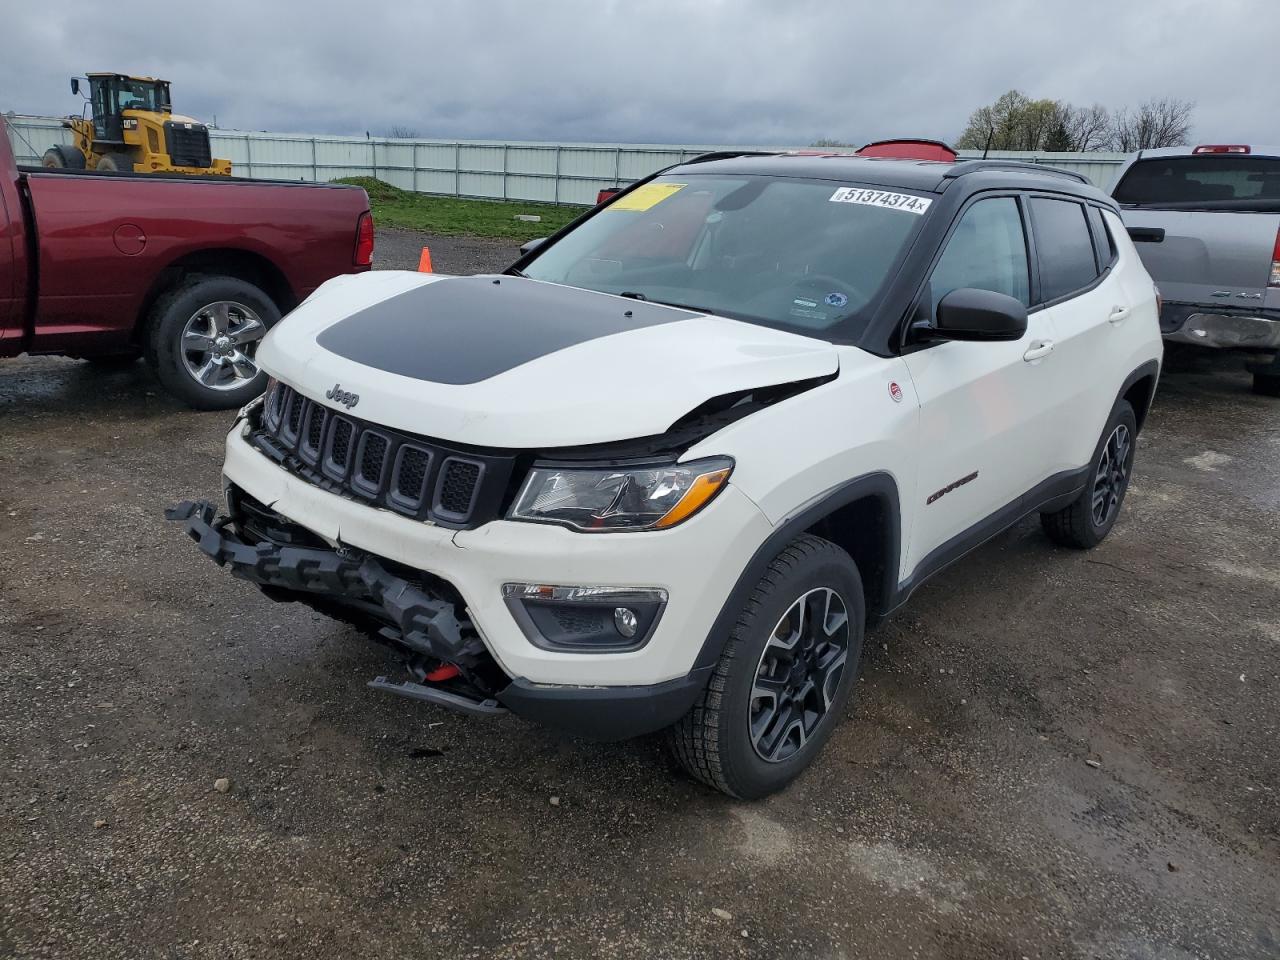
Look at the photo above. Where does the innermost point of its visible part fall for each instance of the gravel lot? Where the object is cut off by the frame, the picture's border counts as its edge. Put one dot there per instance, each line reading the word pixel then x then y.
pixel 1052 754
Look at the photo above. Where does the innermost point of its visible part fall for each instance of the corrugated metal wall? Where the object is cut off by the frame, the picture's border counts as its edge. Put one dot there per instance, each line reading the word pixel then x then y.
pixel 546 172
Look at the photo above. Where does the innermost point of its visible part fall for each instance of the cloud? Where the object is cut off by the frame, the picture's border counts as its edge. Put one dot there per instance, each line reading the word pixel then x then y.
pixel 712 72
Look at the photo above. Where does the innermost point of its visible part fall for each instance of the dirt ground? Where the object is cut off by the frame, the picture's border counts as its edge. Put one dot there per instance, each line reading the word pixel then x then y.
pixel 1051 753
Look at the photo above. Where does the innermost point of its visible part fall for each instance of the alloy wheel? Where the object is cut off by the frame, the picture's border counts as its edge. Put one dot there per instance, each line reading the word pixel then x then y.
pixel 798 674
pixel 220 343
pixel 1112 475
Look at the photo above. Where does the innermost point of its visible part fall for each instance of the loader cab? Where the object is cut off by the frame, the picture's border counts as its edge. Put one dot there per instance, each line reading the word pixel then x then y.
pixel 110 94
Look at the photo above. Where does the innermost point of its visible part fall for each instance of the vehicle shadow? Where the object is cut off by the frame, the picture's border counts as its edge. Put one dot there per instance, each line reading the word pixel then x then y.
pixel 53 384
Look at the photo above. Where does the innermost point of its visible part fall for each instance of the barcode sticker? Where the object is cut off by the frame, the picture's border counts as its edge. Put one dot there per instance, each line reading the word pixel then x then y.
pixel 880 198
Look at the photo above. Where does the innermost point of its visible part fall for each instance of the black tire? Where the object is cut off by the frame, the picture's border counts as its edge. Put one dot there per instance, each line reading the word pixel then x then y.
pixel 120 162
pixel 62 157
pixel 1266 384
pixel 715 741
pixel 1087 520
pixel 181 306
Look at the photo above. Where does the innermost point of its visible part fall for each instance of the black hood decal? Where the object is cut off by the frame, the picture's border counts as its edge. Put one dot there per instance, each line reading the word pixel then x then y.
pixel 467 329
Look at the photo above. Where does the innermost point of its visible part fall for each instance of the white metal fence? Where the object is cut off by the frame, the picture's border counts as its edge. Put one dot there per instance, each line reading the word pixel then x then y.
pixel 491 169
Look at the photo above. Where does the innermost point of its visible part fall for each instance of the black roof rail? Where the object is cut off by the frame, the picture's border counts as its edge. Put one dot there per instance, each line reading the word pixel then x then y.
pixel 729 155
pixel 963 167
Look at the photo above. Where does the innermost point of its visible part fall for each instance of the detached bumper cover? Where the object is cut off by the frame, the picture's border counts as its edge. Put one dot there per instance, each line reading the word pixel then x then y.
pixel 426 624
pixel 430 626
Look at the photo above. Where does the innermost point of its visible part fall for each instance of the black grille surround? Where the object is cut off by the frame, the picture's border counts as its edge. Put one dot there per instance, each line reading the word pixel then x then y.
pixel 415 476
pixel 188 144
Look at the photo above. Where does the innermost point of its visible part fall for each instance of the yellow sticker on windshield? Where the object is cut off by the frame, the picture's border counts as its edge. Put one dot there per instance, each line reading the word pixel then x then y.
pixel 650 195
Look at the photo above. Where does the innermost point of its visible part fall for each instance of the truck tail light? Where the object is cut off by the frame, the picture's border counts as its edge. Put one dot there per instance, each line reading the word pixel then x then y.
pixel 364 241
pixel 1275 263
pixel 1221 148
pixel 607 193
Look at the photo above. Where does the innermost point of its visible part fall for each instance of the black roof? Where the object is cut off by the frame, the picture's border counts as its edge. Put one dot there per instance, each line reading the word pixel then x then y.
pixel 927 175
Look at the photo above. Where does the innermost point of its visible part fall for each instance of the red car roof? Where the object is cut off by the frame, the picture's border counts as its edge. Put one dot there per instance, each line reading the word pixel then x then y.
pixel 910 150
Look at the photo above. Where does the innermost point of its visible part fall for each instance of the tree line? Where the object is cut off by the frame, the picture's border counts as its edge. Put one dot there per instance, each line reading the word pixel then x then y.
pixel 1017 122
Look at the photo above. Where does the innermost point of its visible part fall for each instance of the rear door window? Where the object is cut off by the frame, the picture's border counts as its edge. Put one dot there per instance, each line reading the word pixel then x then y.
pixel 1064 247
pixel 1217 181
pixel 1103 243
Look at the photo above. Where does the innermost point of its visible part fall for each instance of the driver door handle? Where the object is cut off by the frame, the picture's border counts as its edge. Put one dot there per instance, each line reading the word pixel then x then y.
pixel 1038 350
pixel 1117 314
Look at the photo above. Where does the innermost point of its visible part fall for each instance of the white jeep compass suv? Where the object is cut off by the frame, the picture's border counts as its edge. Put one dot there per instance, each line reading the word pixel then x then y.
pixel 667 469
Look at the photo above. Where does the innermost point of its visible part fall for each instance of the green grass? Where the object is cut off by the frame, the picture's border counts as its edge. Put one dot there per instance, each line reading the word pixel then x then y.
pixel 393 207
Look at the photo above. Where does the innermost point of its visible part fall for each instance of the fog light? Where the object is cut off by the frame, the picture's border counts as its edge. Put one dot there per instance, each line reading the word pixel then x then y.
pixel 585 619
pixel 626 622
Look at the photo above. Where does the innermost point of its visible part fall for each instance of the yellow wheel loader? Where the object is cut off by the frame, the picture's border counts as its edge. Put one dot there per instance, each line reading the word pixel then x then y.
pixel 133 129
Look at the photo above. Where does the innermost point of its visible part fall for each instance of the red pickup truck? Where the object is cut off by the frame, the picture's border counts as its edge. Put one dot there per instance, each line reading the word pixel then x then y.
pixel 187 271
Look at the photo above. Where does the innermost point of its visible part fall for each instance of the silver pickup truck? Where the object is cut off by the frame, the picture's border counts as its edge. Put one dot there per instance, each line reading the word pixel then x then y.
pixel 1206 221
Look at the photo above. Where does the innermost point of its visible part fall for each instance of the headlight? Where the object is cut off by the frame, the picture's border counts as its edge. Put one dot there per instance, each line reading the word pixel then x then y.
pixel 609 499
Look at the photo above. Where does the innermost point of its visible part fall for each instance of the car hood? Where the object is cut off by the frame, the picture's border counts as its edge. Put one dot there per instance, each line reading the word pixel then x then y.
pixel 511 362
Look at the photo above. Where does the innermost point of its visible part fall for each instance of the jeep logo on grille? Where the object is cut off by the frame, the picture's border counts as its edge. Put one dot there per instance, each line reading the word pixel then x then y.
pixel 338 395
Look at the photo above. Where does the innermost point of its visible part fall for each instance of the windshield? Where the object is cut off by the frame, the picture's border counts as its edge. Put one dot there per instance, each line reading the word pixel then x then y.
pixel 1218 182
pixel 139 95
pixel 801 255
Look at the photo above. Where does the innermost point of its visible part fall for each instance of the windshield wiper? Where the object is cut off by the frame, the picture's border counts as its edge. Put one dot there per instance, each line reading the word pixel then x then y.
pixel 633 295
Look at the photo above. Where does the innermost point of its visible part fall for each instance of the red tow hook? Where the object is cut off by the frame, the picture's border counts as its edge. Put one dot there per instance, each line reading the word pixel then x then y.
pixel 446 671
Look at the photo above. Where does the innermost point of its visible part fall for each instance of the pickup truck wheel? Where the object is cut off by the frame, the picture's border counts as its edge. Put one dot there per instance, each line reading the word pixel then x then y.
pixel 1087 520
pixel 1266 384
pixel 204 341
pixel 784 678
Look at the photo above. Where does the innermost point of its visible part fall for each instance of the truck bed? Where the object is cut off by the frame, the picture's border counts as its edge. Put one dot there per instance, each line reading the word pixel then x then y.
pixel 83 255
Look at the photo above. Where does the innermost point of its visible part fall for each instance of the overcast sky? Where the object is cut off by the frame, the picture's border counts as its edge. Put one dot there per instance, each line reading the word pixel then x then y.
pixel 710 72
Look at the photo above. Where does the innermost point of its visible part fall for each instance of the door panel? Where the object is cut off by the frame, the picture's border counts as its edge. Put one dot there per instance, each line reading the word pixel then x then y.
pixel 1100 334
pixel 1084 381
pixel 983 405
pixel 983 441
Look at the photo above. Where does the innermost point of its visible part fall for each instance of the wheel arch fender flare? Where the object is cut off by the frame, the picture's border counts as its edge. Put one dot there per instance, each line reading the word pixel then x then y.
pixel 879 490
pixel 1141 398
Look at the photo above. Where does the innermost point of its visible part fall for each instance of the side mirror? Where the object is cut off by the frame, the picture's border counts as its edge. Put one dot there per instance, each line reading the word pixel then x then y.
pixel 532 245
pixel 971 314
pixel 75 86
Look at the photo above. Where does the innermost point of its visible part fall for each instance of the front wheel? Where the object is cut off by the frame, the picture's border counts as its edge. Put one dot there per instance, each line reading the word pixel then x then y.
pixel 784 678
pixel 1087 520
pixel 204 341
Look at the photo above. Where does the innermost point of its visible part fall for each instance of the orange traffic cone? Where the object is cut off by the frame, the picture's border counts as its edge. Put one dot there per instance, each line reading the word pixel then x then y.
pixel 424 262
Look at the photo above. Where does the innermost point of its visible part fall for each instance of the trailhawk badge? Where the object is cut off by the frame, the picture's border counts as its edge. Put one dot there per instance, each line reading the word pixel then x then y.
pixel 338 395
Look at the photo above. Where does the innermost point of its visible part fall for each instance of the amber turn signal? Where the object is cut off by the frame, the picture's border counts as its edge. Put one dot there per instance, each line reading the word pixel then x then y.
pixel 699 495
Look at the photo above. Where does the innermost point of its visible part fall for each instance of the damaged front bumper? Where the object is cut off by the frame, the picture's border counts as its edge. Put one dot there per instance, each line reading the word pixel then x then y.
pixel 356 588
pixel 425 628
pixel 424 624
